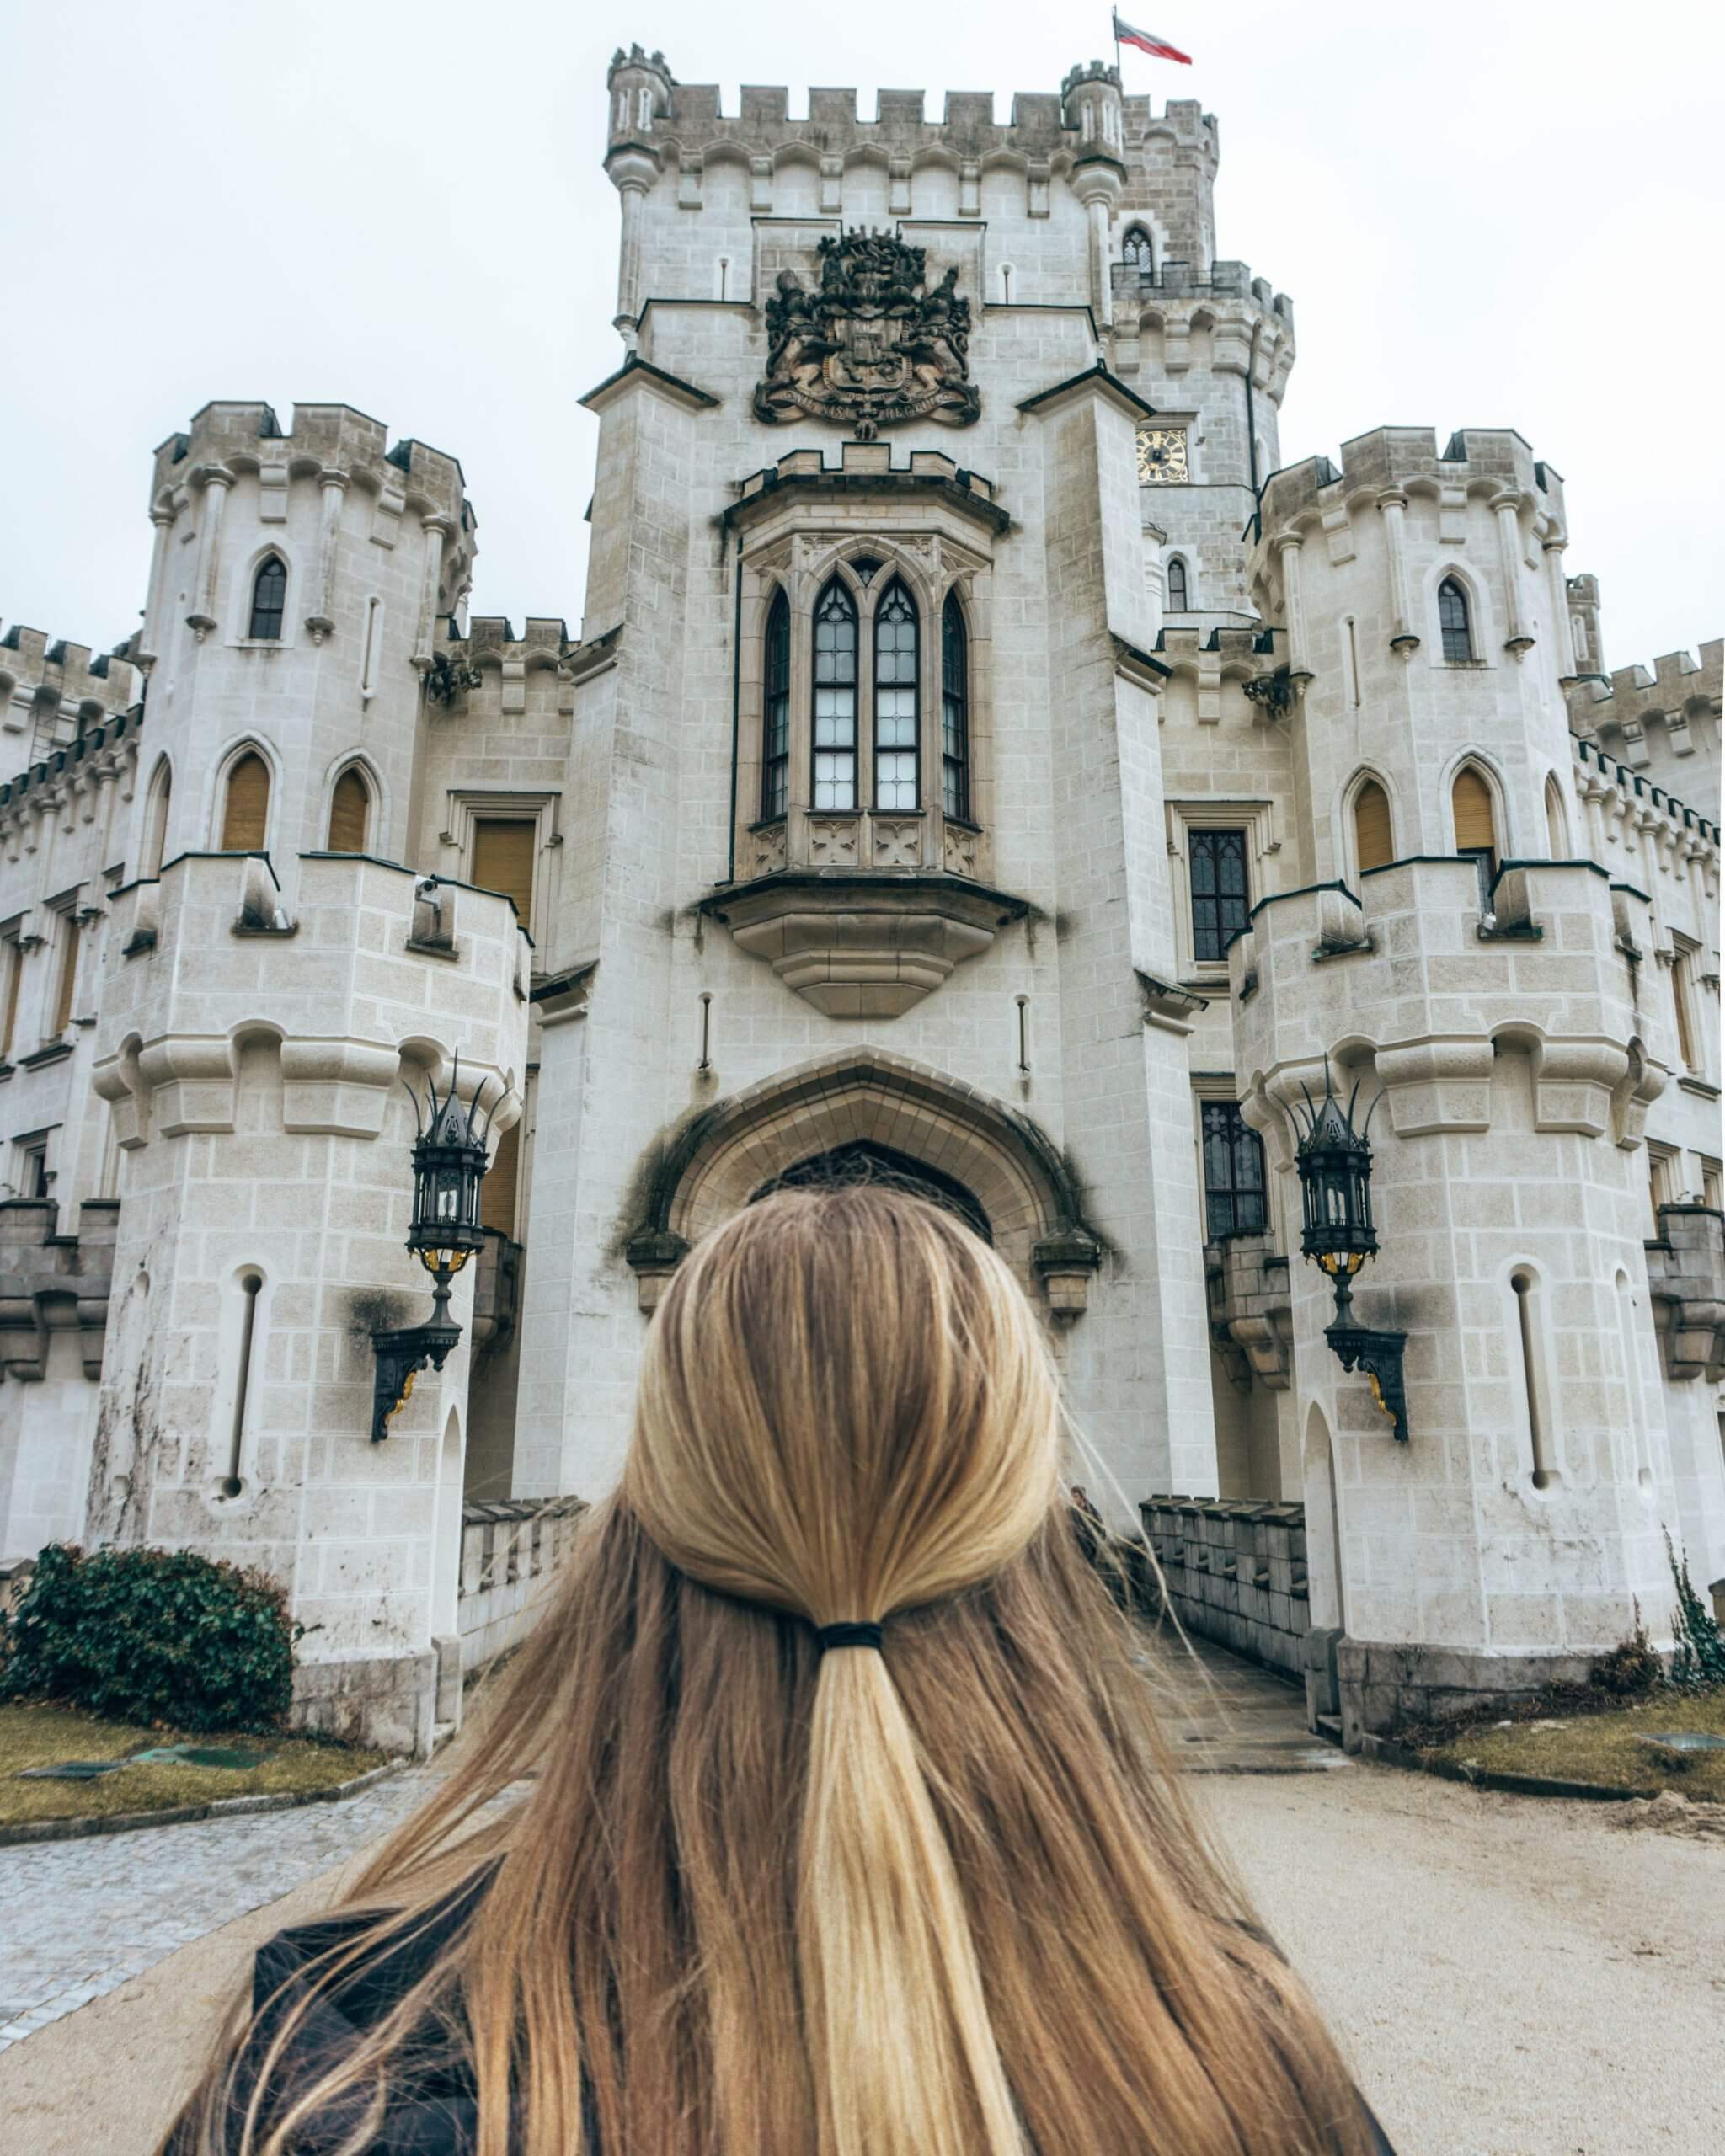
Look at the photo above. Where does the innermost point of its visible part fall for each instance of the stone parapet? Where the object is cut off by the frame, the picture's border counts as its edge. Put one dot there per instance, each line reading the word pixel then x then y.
pixel 1411 969
pixel 1680 696
pixel 1235 1572
pixel 53 691
pixel 323 439
pixel 1492 461
pixel 513 1553
pixel 204 953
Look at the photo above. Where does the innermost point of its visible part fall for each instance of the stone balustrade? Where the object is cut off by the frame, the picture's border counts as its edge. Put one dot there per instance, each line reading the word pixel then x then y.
pixel 1235 1572
pixel 512 1551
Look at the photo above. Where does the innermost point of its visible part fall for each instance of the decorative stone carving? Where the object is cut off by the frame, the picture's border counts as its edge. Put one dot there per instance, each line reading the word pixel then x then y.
pixel 863 947
pixel 898 841
pixel 872 348
pixel 959 846
pixel 832 842
pixel 768 847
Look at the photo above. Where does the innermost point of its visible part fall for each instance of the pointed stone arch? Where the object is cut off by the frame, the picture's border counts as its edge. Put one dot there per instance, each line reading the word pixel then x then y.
pixel 720 1160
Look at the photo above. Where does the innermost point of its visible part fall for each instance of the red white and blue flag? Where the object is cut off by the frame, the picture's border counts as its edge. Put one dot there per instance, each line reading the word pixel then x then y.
pixel 1158 48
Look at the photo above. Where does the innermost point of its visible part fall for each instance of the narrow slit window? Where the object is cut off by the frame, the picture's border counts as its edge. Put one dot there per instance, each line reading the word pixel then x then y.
pixel 776 720
pixel 268 599
pixel 1219 893
pixel 245 816
pixel 1234 1202
pixel 954 710
pixel 251 1284
pixel 350 813
pixel 1176 586
pixel 1529 1318
pixel 1454 628
pixel 1680 971
pixel 835 699
pixel 896 687
pixel 1371 826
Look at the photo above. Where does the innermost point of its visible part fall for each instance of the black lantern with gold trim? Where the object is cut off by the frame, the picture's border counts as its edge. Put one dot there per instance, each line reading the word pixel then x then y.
pixel 449 1157
pixel 1333 1158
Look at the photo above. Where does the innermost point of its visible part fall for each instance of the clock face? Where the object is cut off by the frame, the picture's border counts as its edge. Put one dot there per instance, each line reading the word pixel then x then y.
pixel 1161 457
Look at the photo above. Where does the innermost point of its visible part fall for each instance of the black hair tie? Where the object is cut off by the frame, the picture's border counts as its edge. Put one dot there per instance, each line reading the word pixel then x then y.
pixel 829 1636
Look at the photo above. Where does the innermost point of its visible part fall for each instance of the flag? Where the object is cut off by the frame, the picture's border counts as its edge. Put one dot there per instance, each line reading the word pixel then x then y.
pixel 1158 48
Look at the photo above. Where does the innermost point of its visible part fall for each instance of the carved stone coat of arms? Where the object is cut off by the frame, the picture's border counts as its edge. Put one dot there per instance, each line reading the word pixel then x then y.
pixel 872 347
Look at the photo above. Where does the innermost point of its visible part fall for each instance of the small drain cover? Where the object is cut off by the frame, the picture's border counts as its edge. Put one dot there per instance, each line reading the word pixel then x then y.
pixel 198 1755
pixel 73 1771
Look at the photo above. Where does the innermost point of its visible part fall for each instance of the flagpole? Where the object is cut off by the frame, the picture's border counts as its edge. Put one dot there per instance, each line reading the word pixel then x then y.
pixel 1120 78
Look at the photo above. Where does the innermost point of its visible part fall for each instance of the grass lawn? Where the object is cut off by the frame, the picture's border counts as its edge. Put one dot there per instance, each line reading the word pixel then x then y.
pixel 1604 1748
pixel 39 1736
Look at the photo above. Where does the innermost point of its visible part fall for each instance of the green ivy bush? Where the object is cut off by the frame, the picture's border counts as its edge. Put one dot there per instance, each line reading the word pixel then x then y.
pixel 151 1637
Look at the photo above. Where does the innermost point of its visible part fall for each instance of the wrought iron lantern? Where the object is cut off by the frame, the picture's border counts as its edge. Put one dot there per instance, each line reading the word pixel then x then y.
pixel 449 1158
pixel 1333 1158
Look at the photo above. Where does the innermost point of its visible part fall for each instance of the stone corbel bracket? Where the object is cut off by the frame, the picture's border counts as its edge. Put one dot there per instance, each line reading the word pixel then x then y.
pixel 1173 1010
pixel 1252 1305
pixel 1686 1281
pixel 1065 1262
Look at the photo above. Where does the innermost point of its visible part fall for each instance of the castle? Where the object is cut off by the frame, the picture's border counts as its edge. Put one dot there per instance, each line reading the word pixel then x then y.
pixel 982 760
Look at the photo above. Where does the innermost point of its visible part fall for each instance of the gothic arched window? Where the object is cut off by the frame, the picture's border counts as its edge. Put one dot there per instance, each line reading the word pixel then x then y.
pixel 954 710
pixel 268 597
pixel 1176 586
pixel 895 689
pixel 245 808
pixel 349 812
pixel 1136 252
pixel 1453 626
pixel 835 699
pixel 775 711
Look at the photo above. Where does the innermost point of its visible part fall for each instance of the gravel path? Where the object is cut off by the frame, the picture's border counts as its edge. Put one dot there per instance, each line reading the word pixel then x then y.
pixel 1510 1976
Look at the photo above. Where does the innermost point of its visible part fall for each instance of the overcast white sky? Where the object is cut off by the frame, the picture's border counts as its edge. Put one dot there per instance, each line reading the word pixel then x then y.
pixel 1488 213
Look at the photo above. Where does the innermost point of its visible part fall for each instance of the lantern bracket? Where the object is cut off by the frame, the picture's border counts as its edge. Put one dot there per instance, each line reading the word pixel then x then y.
pixel 1378 1354
pixel 402 1353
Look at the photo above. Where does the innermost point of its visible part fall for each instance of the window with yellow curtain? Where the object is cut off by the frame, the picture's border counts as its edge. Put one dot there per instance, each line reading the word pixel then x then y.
pixel 1475 831
pixel 1679 1004
pixel 504 847
pixel 72 936
pixel 497 1193
pixel 14 981
pixel 245 812
pixel 1371 826
pixel 350 813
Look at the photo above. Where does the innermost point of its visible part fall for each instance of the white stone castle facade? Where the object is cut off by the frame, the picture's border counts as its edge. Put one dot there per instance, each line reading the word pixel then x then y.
pixel 982 757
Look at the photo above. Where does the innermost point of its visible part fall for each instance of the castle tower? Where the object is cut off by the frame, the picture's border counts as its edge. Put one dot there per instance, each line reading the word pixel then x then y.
pixel 1458 939
pixel 272 973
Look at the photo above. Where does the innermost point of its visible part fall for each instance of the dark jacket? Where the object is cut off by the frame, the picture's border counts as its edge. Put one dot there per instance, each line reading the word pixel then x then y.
pixel 433 2110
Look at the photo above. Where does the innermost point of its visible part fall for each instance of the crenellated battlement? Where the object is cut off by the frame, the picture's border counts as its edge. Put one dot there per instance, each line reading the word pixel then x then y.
pixel 324 439
pixel 652 111
pixel 1487 461
pixel 51 690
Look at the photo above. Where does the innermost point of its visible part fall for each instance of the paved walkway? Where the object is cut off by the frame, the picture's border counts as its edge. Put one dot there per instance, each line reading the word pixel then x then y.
pixel 79 1918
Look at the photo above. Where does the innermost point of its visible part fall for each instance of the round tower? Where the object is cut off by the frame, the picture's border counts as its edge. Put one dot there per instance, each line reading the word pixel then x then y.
pixel 295 595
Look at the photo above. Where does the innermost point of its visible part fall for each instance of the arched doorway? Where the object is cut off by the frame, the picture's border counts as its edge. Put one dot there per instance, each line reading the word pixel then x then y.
pixel 865 1110
pixel 864 1161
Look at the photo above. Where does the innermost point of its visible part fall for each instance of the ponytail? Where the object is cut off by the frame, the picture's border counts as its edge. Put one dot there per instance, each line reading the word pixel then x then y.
pixel 904 2055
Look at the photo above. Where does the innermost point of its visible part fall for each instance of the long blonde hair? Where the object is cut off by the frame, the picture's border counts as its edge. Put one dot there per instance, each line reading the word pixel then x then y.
pixel 942 1899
